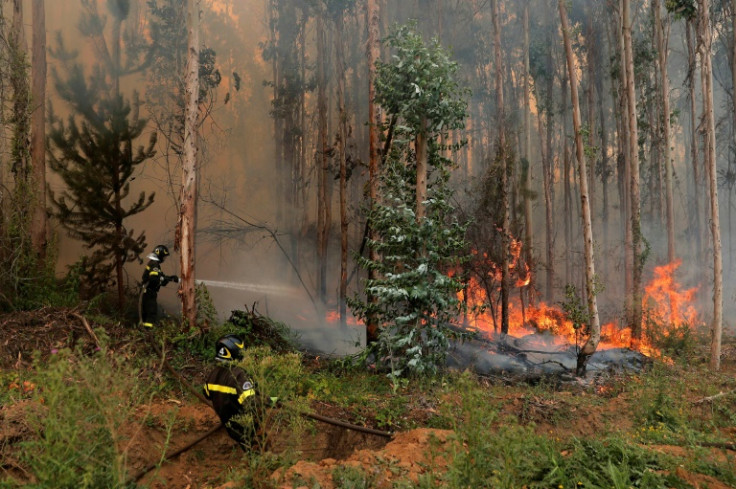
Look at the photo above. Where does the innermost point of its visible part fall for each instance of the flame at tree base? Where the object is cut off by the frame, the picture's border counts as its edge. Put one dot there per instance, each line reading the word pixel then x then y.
pixel 665 304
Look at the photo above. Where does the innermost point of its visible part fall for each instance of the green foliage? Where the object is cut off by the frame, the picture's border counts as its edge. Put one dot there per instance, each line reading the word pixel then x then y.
pixel 415 293
pixel 496 452
pixel 82 403
pixel 682 9
pixel 279 376
pixel 420 84
pixel 206 310
pixel 574 307
pixel 346 477
pixel 259 330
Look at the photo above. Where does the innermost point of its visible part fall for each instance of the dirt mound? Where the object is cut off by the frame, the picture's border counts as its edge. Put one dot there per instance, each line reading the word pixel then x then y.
pixel 407 456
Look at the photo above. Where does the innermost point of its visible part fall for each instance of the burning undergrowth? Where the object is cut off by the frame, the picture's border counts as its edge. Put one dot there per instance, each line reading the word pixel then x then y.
pixel 545 340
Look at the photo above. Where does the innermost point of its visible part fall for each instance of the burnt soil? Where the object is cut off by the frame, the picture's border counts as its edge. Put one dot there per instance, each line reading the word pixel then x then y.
pixel 407 455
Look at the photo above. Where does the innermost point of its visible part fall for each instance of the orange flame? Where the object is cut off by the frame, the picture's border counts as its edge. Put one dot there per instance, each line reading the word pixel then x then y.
pixel 664 302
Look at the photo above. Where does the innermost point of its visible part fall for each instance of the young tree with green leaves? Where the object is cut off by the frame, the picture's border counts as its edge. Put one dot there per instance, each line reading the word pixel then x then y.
pixel 416 236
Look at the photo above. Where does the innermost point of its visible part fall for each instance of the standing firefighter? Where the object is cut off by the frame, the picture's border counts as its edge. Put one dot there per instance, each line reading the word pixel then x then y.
pixel 153 279
pixel 233 394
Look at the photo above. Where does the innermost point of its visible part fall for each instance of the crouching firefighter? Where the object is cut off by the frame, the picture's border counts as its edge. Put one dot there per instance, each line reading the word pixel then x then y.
pixel 153 280
pixel 233 394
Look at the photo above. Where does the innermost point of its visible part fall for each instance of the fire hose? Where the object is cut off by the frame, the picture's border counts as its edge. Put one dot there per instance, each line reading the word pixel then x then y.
pixel 317 417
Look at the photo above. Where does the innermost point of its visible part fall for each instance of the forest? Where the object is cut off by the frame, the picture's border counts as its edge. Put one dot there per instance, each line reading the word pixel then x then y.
pixel 409 210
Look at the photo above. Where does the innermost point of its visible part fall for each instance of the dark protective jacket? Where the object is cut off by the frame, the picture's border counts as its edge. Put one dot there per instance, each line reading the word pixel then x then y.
pixel 233 394
pixel 153 277
pixel 153 280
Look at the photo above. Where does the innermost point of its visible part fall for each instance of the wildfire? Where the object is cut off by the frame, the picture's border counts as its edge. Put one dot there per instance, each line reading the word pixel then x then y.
pixel 664 303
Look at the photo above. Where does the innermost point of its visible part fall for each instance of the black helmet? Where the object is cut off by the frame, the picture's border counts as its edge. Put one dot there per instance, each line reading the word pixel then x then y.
pixel 161 252
pixel 229 348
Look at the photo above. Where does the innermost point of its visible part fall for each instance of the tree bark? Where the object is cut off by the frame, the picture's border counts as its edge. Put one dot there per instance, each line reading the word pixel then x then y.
pixel 528 224
pixel 188 196
pixel 662 37
pixel 38 128
pixel 694 153
pixel 706 40
pixel 594 323
pixel 323 206
pixel 505 225
pixel 372 55
pixel 343 134
pixel 633 133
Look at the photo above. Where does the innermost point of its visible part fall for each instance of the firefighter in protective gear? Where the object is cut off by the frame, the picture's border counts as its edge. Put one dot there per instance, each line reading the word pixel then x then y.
pixel 233 393
pixel 153 280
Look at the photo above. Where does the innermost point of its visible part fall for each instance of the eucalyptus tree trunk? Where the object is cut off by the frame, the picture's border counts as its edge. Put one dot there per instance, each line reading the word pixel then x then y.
pixel 505 225
pixel 694 153
pixel 705 36
pixel 323 204
pixel 662 38
pixel 633 137
pixel 528 224
pixel 590 289
pixel 733 61
pixel 38 128
pixel 623 159
pixel 343 134
pixel 566 191
pixel 549 189
pixel 372 55
pixel 188 195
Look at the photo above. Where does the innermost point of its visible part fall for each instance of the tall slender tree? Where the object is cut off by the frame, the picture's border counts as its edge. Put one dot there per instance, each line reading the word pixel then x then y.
pixel 661 31
pixel 502 159
pixel 374 157
pixel 705 38
pixel 186 226
pixel 635 197
pixel 38 127
pixel 594 325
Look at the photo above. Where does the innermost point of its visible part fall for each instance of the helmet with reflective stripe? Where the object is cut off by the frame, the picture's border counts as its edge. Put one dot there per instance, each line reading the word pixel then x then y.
pixel 229 348
pixel 161 252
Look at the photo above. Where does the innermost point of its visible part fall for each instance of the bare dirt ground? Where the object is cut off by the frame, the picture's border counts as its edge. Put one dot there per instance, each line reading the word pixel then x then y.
pixel 167 424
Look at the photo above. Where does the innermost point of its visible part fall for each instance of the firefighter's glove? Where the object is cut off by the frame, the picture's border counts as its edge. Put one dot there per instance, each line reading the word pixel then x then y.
pixel 174 278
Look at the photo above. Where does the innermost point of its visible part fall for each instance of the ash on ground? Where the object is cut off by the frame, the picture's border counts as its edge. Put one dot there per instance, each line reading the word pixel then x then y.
pixel 538 355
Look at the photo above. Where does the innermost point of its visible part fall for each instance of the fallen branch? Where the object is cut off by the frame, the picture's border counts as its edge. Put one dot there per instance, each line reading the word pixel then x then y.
pixel 88 328
pixel 713 397
pixel 348 426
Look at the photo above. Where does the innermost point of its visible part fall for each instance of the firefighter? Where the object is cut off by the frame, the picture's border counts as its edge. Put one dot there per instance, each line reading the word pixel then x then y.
pixel 233 394
pixel 153 280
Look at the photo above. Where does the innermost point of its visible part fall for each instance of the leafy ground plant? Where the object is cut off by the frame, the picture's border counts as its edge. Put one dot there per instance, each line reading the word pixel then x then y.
pixel 77 440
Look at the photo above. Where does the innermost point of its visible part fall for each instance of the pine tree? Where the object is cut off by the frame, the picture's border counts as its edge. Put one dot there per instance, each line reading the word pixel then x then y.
pixel 94 154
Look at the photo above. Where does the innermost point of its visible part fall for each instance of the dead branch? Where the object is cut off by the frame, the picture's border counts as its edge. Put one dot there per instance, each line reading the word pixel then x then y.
pixel 713 397
pixel 276 240
pixel 87 327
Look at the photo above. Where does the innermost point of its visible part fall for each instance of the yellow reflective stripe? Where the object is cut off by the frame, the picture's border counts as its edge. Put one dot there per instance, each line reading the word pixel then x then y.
pixel 245 395
pixel 221 388
pixel 153 272
pixel 147 325
pixel 206 391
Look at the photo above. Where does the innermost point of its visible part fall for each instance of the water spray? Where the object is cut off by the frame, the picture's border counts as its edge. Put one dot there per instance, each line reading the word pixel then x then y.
pixel 250 287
